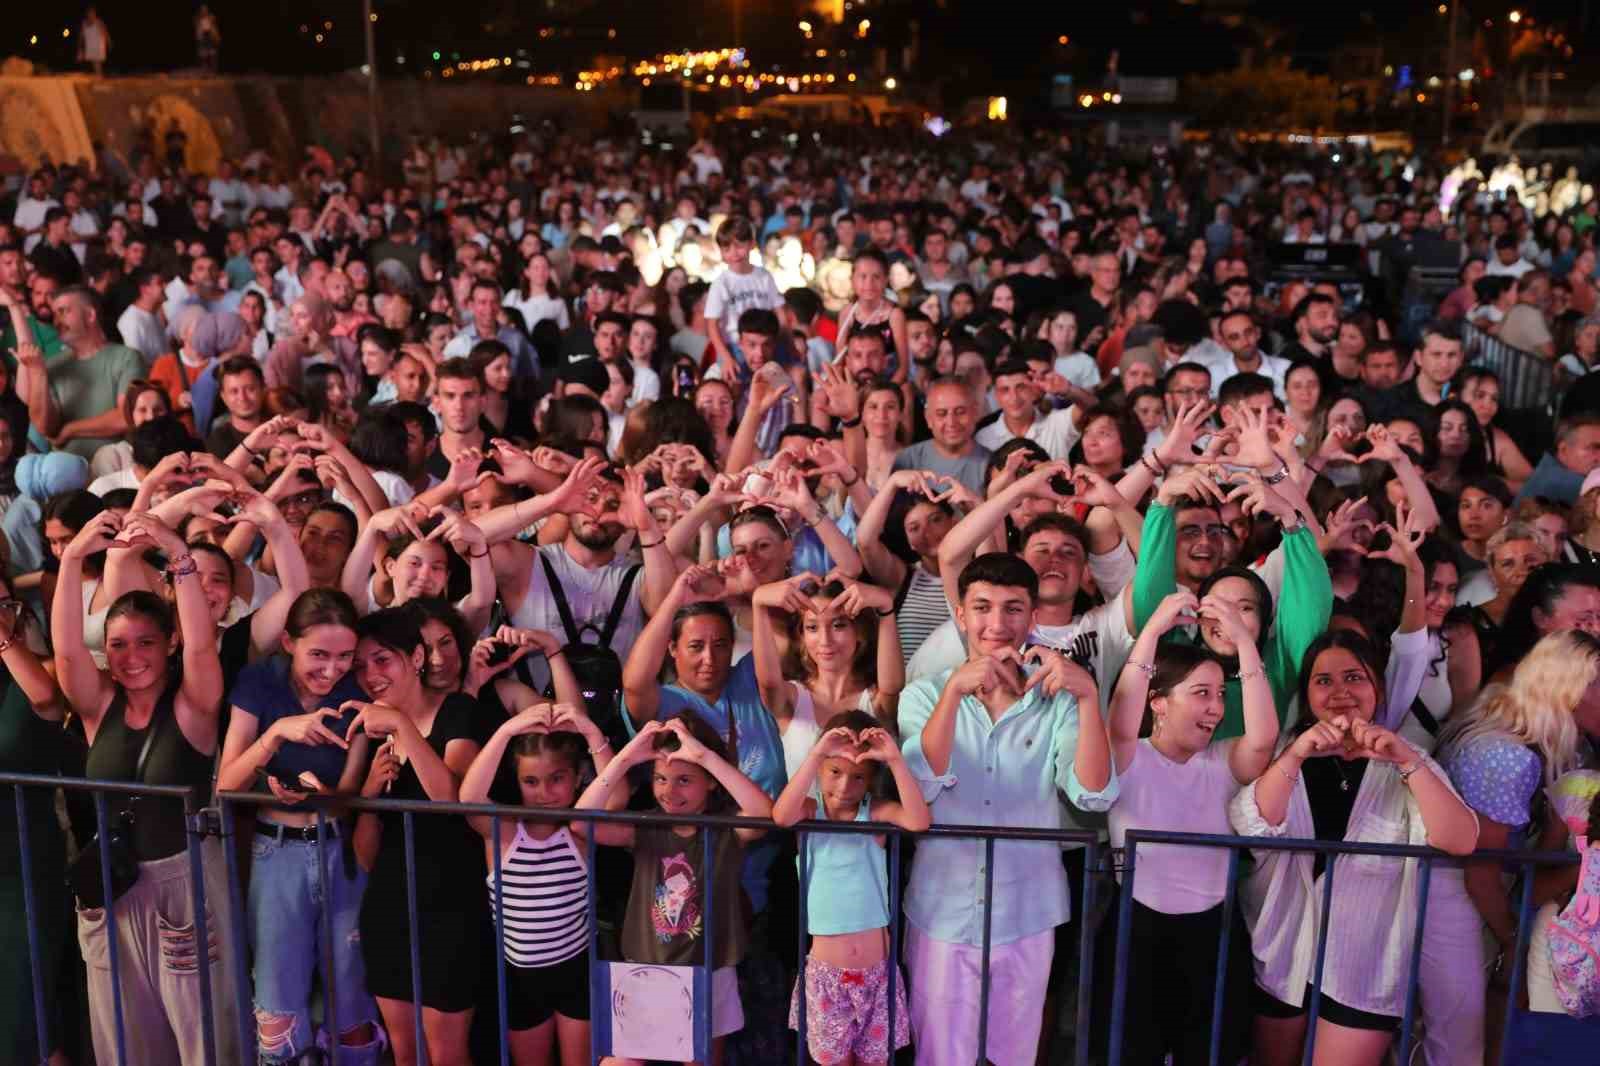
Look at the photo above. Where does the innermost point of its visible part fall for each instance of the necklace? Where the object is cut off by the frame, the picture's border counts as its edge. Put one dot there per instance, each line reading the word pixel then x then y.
pixel 1344 778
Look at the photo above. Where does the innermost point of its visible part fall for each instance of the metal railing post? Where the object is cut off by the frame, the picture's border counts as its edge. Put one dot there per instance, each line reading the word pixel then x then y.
pixel 708 908
pixel 1524 934
pixel 100 822
pixel 30 910
pixel 500 939
pixel 1322 958
pixel 1415 978
pixel 241 934
pixel 988 923
pixel 194 833
pixel 416 948
pixel 1119 986
pixel 1091 862
pixel 329 981
pixel 800 994
pixel 1226 938
pixel 894 935
pixel 594 932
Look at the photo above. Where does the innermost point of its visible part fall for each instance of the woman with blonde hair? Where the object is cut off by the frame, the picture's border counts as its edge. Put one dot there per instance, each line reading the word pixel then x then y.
pixel 1513 743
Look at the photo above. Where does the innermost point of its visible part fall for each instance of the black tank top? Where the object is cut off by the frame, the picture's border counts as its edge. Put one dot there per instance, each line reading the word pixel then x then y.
pixel 158 829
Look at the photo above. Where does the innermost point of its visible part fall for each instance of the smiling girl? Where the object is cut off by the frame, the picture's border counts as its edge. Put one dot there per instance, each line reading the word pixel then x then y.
pixel 544 893
pixel 666 916
pixel 847 889
pixel 1175 779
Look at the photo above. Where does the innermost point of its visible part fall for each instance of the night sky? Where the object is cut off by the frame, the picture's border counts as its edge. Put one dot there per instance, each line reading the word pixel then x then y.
pixel 970 41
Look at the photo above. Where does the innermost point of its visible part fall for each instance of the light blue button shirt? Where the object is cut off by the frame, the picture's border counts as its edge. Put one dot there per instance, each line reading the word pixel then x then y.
pixel 1011 772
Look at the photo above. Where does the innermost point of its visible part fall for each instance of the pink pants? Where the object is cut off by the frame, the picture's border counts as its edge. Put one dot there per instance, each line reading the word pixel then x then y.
pixel 946 981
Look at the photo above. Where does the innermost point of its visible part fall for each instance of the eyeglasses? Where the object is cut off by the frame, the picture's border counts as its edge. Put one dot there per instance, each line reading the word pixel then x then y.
pixel 1210 532
pixel 303 502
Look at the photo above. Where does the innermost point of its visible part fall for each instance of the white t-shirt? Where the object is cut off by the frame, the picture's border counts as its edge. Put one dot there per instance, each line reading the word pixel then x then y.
pixel 733 294
pixel 141 330
pixel 1056 433
pixel 121 479
pixel 1080 369
pixel 646 385
pixel 590 594
pixel 1190 797
pixel 538 307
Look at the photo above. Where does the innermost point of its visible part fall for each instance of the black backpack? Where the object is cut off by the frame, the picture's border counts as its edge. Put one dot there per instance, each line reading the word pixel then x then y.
pixel 598 669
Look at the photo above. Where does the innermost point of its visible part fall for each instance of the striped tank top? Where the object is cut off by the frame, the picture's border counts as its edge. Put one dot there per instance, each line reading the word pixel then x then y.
pixel 925 608
pixel 546 903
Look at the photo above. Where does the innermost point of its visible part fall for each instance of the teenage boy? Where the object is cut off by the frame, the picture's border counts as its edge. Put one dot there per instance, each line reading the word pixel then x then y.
pixel 995 741
pixel 743 286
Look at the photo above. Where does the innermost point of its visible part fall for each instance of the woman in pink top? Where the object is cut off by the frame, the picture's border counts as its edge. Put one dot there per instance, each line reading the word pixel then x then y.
pixel 1168 703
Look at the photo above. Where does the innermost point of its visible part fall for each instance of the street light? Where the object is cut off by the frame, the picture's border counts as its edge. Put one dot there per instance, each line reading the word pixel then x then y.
pixel 1515 16
pixel 890 83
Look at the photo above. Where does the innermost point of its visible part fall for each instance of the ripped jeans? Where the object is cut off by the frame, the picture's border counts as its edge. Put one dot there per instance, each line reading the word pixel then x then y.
pixel 286 920
pixel 158 966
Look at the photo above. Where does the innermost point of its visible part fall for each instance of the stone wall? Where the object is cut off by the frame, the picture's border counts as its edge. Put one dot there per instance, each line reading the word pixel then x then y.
pixel 61 116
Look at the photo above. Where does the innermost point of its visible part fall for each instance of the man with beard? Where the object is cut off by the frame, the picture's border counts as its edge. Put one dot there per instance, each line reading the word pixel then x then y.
pixel 484 304
pixel 585 563
pixel 82 385
pixel 15 301
pixel 340 292
pixel 1316 327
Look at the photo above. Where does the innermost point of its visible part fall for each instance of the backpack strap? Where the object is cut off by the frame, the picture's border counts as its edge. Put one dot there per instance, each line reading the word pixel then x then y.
pixel 1424 717
pixel 562 606
pixel 618 605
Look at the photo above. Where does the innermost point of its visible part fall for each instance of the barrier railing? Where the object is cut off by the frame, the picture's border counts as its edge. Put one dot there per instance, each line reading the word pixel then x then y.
pixel 195 831
pixel 1526 380
pixel 199 825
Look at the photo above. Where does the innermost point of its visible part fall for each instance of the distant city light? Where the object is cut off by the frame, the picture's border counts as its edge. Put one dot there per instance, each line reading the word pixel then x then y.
pixel 890 84
pixel 1515 16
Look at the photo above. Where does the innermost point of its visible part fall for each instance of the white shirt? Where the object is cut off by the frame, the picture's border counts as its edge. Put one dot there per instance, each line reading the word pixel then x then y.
pixel 1275 367
pixel 1055 432
pixel 538 307
pixel 1368 962
pixel 30 214
pixel 142 331
pixel 733 294
pixel 590 594
pixel 1497 269
pixel 646 385
pixel 121 479
pixel 1080 369
pixel 1188 797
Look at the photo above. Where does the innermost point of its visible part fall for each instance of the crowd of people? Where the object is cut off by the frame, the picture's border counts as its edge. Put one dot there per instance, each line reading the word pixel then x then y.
pixel 967 482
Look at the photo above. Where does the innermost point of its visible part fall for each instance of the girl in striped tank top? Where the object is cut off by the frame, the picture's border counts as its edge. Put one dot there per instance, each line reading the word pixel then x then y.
pixel 545 883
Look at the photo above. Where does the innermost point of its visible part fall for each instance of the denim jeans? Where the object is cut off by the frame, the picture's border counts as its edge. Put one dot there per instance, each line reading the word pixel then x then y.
pixel 287 919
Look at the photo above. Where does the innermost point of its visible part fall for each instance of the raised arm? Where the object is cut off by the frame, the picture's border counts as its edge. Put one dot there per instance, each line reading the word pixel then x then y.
pixel 763 397
pixel 965 539
pixel 87 688
pixel 791 492
pixel 358 566
pixel 753 803
pixel 883 565
pixel 786 597
pixel 640 687
pixel 1133 687
pixel 200 694
pixel 1251 753
pixel 660 566
pixel 30 675
pixel 467 541
pixel 506 522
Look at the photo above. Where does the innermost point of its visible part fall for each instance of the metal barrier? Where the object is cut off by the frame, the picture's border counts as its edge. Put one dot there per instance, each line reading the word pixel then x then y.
pixel 1527 381
pixel 1525 861
pixel 198 826
pixel 195 829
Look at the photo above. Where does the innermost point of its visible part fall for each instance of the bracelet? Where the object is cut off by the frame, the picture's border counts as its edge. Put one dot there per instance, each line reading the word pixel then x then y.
pixel 1278 477
pixel 604 744
pixel 1251 675
pixel 181 567
pixel 1294 779
pixel 850 423
pixel 852 483
pixel 552 655
pixel 251 452
pixel 478 555
pixel 5 645
pixel 1147 669
pixel 881 614
pixel 646 547
pixel 1152 465
pixel 1405 775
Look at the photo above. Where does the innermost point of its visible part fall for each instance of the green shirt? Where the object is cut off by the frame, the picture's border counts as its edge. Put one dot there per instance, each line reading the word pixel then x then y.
pixel 44 336
pixel 1301 614
pixel 83 388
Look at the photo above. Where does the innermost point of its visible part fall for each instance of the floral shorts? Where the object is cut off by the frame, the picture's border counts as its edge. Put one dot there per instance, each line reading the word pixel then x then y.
pixel 847 1012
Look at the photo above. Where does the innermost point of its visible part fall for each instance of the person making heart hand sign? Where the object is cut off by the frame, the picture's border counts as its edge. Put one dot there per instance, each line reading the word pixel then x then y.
pixel 846 881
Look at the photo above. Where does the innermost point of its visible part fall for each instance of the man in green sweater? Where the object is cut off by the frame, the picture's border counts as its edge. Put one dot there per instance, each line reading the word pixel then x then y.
pixel 1185 542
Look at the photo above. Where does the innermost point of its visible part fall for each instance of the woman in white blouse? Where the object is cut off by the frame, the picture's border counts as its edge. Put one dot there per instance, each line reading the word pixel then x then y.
pixel 538 298
pixel 1339 776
